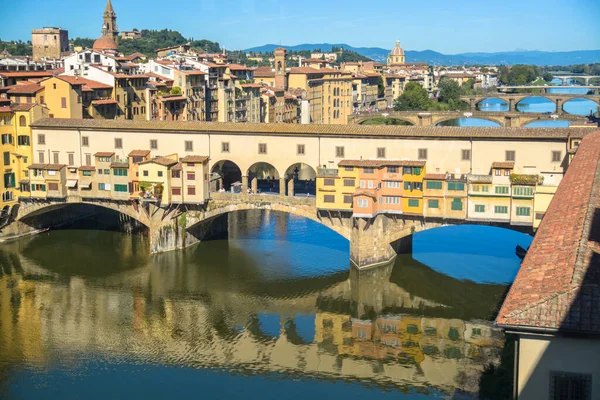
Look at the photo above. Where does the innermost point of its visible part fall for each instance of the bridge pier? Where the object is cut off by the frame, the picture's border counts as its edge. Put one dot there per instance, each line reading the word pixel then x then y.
pixel 512 105
pixel 245 184
pixel 559 106
pixel 290 187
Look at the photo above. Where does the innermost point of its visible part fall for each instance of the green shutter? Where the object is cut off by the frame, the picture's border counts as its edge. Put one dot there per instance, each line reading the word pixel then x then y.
pixel 433 203
pixel 456 205
pixel 413 203
pixel 433 185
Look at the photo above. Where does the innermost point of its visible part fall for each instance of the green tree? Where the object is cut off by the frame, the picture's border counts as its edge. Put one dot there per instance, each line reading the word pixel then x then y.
pixel 414 98
pixel 449 91
pixel 547 76
pixel 380 87
pixel 578 69
pixel 176 90
pixel 519 74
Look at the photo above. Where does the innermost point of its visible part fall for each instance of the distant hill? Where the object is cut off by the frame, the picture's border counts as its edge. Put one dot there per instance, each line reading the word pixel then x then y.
pixel 433 57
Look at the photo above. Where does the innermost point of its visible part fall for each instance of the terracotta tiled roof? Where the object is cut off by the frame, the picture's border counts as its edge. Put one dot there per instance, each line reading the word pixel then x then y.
pixel 76 80
pixel 104 154
pixel 173 98
pixel 438 177
pixel 164 161
pixel 252 85
pixel 503 164
pixel 119 165
pixel 25 89
pixel 21 106
pixel 48 167
pixel 364 193
pixel 381 163
pixel 264 72
pixel 305 70
pixel 194 159
pixel 319 129
pixel 25 74
pixel 138 153
pixel 178 167
pixel 105 101
pixel 557 287
pixel 87 168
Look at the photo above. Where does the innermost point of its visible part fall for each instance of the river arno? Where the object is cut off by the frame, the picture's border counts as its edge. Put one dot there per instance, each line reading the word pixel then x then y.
pixel 274 312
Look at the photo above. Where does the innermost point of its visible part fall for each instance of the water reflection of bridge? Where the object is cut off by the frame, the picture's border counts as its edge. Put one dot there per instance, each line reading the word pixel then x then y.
pixel 167 313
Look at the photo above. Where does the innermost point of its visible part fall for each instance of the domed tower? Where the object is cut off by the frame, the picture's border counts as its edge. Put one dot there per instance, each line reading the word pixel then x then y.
pixel 396 56
pixel 109 27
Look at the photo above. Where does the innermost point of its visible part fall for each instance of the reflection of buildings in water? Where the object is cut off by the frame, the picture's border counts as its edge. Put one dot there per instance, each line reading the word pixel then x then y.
pixel 159 314
pixel 443 349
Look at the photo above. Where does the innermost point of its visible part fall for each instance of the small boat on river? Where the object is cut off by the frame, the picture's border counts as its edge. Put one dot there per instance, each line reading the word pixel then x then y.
pixel 521 252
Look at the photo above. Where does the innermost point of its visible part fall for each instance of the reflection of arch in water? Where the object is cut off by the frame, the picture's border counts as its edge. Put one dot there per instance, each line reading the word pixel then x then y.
pixel 229 173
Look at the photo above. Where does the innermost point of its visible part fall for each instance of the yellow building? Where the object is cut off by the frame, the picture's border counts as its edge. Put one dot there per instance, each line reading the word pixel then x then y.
pixel 15 131
pixel 335 188
pixel 413 174
pixel 63 99
pixel 47 181
pixel 155 179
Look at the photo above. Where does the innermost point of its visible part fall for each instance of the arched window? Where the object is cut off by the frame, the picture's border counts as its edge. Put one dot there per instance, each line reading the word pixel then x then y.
pixel 22 121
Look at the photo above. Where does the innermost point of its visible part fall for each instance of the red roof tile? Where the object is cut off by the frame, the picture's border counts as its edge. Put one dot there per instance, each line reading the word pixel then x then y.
pixel 438 177
pixel 104 154
pixel 138 153
pixel 194 159
pixel 557 284
pixel 503 164
pixel 381 163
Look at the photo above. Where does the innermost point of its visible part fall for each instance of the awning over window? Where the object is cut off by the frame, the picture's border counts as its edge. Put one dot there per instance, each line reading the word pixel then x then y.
pixel 85 184
pixel 71 183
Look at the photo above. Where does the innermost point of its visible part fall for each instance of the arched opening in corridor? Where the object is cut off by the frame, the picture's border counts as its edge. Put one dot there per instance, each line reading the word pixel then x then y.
pixel 469 122
pixel 301 180
pixel 263 178
pixel 223 174
pixel 492 104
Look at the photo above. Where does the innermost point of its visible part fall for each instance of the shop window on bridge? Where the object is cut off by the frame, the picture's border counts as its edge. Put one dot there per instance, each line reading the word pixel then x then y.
pixel 330 182
pixel 430 331
pixel 121 188
pixel 392 199
pixel 348 182
pixel 176 191
pixel 500 209
pixel 87 173
pixel 347 199
pixel 120 171
pixel 523 211
pixel 501 189
pixel 433 203
pixel 412 329
pixel 458 186
pixel 434 185
pixel 413 203
pixel 368 170
pixel 392 184
pixel 6 158
pixel 329 198
pixel 523 191
pixel 53 186
pixel 456 205
pixel 392 170
pixel 479 208
pixel 362 203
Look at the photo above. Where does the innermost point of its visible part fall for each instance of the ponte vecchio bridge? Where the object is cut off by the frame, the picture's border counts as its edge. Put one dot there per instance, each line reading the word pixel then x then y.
pixel 280 148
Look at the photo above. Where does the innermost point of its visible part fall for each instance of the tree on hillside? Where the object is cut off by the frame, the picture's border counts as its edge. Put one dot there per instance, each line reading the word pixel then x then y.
pixel 414 98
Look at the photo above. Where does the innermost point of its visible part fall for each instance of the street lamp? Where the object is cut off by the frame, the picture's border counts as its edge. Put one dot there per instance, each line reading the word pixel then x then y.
pixel 468 114
pixel 554 117
pixel 385 115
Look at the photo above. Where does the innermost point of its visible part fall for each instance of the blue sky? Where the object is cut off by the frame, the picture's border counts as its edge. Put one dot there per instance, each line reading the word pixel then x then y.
pixel 447 26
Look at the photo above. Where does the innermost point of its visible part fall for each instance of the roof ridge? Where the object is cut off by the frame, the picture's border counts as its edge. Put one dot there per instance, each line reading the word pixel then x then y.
pixel 541 301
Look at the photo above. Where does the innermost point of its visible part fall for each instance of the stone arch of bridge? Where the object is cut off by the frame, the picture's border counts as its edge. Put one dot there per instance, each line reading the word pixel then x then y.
pixel 498 120
pixel 407 119
pixel 479 100
pixel 31 210
pixel 339 225
pixel 595 101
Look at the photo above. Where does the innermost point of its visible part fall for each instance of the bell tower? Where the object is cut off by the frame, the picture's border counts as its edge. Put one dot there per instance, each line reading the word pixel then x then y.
pixel 109 27
pixel 280 64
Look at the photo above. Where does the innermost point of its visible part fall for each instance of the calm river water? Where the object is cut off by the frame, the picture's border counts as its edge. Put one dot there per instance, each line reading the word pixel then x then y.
pixel 274 312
